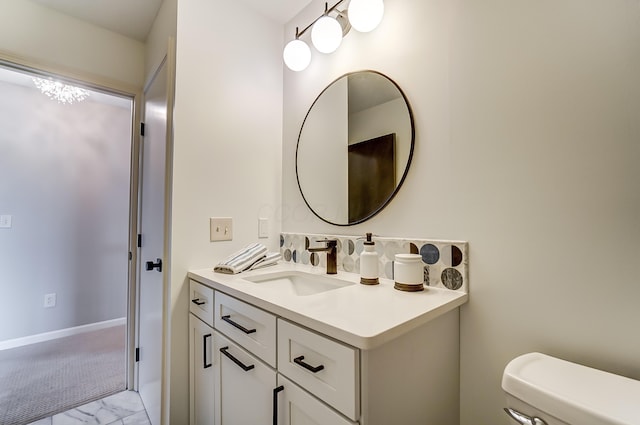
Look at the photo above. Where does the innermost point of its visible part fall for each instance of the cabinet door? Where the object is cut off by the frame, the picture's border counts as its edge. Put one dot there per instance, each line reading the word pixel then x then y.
pixel 297 407
pixel 201 372
pixel 243 386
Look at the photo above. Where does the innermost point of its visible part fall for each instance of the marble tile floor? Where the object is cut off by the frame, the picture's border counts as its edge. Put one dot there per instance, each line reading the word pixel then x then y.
pixel 123 408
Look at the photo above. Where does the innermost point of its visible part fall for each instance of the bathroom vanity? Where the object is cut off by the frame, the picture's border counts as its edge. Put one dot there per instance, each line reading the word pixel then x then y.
pixel 289 345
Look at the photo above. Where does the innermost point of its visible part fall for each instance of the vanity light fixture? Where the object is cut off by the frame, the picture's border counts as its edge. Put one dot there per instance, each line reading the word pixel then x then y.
pixel 61 92
pixel 297 55
pixel 365 15
pixel 326 34
pixel 328 31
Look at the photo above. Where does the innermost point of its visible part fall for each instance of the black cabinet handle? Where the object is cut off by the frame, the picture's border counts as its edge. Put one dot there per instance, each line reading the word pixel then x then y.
pixel 198 302
pixel 225 351
pixel 237 325
pixel 275 403
pixel 314 369
pixel 204 351
pixel 150 265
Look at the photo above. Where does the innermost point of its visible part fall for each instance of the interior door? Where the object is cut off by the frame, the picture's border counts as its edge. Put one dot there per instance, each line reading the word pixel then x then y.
pixel 153 242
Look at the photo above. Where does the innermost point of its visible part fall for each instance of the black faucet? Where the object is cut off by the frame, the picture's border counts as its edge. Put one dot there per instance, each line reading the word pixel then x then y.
pixel 331 249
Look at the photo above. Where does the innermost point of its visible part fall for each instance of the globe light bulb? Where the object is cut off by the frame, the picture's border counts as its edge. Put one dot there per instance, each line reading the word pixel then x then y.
pixel 326 34
pixel 365 15
pixel 297 55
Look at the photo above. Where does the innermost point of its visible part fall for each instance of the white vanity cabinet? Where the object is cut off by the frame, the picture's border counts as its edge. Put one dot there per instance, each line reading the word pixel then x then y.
pixel 201 354
pixel 274 366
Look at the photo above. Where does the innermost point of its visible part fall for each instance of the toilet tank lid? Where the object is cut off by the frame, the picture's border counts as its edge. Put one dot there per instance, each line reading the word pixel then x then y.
pixel 571 392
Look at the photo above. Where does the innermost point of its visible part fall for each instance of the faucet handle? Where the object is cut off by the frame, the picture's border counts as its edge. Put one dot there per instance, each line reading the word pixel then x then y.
pixel 330 242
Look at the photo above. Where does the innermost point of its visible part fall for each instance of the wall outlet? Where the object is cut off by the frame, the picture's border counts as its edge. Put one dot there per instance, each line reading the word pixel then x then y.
pixel 49 300
pixel 5 221
pixel 221 228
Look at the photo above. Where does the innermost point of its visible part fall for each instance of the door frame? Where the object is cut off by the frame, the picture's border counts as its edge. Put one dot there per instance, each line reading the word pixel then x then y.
pixel 135 94
pixel 169 61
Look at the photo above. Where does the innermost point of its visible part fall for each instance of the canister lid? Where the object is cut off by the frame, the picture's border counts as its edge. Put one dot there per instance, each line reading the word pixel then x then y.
pixel 408 257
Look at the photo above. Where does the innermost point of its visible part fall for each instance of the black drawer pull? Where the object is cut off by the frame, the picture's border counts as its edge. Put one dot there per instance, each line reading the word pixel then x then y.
pixel 225 351
pixel 237 325
pixel 205 365
pixel 275 403
pixel 198 302
pixel 314 369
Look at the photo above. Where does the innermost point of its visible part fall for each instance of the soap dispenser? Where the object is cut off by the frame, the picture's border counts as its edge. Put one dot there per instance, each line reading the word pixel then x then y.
pixel 369 263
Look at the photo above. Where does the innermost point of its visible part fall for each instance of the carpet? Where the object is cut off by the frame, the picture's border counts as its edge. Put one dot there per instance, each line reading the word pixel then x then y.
pixel 42 379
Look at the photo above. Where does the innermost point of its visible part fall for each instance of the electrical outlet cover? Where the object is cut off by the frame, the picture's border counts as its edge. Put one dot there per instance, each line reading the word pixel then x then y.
pixel 5 221
pixel 50 300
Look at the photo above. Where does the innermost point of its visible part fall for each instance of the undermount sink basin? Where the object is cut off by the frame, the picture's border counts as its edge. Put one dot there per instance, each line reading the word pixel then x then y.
pixel 299 283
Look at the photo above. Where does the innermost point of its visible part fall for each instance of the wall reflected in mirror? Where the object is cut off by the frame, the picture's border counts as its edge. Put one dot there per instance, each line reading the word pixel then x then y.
pixel 354 148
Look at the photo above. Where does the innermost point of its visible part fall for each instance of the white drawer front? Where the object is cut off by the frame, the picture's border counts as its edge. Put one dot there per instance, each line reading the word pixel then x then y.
pixel 297 407
pixel 243 386
pixel 252 328
pixel 337 381
pixel 201 301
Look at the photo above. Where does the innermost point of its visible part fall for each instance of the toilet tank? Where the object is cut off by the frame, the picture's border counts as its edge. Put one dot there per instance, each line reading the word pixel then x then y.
pixel 569 393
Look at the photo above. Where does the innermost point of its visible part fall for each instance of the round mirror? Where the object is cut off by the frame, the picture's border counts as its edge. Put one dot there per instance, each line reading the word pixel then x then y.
pixel 354 148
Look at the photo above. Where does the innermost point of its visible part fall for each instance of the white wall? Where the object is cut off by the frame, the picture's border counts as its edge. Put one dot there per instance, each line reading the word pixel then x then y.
pixel 227 149
pixel 164 26
pixel 527 127
pixel 64 179
pixel 34 32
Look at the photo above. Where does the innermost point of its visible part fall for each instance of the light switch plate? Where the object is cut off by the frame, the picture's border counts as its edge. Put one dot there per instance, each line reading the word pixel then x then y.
pixel 5 221
pixel 221 229
pixel 263 228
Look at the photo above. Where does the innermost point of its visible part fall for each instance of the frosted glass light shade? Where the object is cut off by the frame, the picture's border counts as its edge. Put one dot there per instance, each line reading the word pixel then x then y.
pixel 297 55
pixel 326 34
pixel 365 15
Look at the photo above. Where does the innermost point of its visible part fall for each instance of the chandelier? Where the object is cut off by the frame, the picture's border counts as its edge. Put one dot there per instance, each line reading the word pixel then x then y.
pixel 63 93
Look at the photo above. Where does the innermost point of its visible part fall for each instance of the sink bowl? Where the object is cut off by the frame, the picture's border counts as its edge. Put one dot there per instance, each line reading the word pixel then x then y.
pixel 299 283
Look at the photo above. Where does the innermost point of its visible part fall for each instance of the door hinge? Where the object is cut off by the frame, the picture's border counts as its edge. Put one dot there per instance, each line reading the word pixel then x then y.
pixel 139 240
pixel 137 354
pixel 142 129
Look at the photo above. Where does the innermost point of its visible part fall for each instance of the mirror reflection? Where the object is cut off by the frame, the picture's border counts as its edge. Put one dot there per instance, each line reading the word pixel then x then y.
pixel 354 148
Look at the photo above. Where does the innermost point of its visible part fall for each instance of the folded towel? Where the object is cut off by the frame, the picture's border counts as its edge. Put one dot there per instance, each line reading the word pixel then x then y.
pixel 270 259
pixel 242 260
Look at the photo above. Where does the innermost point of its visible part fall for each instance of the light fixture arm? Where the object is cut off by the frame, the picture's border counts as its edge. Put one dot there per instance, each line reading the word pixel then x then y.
pixel 327 10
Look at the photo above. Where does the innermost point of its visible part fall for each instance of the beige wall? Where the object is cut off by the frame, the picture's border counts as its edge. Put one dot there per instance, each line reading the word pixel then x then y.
pixel 527 128
pixel 227 149
pixel 39 34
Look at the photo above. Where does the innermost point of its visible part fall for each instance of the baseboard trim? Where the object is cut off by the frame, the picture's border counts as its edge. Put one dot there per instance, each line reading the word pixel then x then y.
pixel 61 333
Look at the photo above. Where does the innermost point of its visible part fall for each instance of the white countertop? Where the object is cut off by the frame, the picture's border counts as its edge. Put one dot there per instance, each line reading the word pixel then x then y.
pixel 360 315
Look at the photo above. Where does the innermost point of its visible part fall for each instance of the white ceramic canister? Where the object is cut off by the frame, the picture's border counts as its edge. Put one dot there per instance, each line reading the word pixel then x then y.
pixel 408 269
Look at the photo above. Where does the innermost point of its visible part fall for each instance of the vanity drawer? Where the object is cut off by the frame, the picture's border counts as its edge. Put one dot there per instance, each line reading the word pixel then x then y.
pixel 326 368
pixel 201 301
pixel 297 406
pixel 252 328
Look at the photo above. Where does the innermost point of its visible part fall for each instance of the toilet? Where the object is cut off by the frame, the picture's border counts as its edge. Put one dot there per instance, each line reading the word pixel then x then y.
pixel 544 390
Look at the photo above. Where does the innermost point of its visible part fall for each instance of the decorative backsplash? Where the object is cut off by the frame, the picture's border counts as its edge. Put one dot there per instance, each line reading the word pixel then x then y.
pixel 445 262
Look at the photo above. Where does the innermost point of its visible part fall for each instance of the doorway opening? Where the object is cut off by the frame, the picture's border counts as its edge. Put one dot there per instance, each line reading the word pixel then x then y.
pixel 65 236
